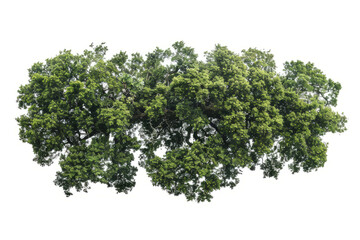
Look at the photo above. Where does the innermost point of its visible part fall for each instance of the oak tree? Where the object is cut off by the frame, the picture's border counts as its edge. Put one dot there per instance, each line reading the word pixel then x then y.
pixel 213 117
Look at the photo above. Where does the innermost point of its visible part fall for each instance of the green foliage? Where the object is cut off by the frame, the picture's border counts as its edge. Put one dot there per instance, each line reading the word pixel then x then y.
pixel 213 117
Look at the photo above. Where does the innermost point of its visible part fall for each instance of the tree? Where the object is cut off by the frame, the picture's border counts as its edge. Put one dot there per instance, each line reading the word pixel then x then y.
pixel 213 117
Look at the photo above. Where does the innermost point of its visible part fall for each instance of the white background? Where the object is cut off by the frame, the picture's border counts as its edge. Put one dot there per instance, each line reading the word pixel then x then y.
pixel 317 205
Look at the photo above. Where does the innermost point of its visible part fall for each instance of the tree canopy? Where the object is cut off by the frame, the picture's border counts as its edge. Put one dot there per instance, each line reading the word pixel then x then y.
pixel 213 117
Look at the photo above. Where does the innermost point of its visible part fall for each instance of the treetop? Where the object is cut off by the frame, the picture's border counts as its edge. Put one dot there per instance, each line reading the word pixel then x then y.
pixel 213 117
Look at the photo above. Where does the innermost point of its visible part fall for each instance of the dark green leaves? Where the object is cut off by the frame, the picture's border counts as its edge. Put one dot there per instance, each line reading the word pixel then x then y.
pixel 213 118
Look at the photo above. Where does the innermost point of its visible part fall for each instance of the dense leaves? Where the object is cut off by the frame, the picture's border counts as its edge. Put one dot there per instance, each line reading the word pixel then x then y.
pixel 213 118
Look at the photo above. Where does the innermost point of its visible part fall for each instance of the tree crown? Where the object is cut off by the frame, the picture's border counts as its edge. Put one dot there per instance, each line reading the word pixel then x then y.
pixel 213 117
